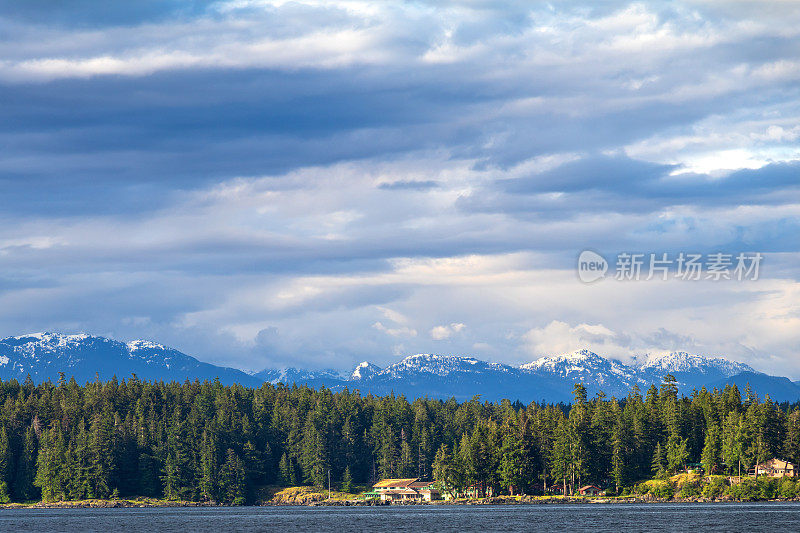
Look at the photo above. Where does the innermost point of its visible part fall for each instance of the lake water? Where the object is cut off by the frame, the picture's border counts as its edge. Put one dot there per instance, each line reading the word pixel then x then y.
pixel 774 517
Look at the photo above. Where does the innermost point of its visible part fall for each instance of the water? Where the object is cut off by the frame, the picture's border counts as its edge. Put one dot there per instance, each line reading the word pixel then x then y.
pixel 777 517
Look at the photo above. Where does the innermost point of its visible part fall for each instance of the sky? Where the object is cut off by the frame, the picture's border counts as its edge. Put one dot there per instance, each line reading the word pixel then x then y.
pixel 312 183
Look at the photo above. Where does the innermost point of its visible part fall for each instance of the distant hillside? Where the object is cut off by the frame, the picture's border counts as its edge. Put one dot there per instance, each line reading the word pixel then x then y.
pixel 549 378
pixel 44 355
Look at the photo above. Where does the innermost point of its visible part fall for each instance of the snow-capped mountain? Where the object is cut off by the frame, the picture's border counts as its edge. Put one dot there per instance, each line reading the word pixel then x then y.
pixel 614 377
pixel 445 376
pixel 682 363
pixel 364 370
pixel 549 378
pixel 439 365
pixel 589 368
pixel 295 375
pixel 44 355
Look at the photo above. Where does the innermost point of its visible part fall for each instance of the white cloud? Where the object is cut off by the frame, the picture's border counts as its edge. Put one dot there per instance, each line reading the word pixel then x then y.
pixel 395 332
pixel 439 333
pixel 342 266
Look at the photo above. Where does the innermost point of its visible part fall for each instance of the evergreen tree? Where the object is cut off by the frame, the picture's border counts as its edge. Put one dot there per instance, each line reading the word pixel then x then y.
pixel 101 458
pixel 658 462
pixel 209 467
pixel 26 467
pixel 284 468
pixel 233 483
pixel 172 439
pixel 711 451
pixel 5 466
pixel 511 460
pixel 677 453
pixel 347 480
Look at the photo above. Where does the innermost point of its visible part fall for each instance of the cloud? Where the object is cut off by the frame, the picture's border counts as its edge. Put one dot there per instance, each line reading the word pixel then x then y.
pixel 318 183
pixel 395 332
pixel 439 333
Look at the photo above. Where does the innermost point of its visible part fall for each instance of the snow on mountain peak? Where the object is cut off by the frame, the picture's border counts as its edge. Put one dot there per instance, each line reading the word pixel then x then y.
pixel 363 370
pixel 440 365
pixel 144 345
pixel 50 339
pixel 579 359
pixel 685 362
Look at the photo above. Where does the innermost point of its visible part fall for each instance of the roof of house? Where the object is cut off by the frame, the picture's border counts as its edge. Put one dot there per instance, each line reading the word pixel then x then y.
pixel 776 463
pixel 587 487
pixel 394 482
pixel 401 491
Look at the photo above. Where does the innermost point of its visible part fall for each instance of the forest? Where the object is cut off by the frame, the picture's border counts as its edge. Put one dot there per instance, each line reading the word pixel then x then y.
pixel 209 442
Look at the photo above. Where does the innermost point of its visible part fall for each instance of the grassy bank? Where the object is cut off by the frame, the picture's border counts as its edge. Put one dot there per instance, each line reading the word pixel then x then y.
pixel 724 488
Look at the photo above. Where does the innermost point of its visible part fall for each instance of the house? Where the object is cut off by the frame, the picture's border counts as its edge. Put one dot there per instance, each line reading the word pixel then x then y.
pixel 589 490
pixel 426 490
pixel 775 468
pixel 694 468
pixel 403 490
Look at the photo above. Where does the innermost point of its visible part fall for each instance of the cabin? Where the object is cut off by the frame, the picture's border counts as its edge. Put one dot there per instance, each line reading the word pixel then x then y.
pixel 775 468
pixel 404 490
pixel 589 490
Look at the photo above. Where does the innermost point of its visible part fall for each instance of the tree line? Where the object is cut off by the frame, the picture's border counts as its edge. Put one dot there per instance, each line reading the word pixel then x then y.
pixel 210 442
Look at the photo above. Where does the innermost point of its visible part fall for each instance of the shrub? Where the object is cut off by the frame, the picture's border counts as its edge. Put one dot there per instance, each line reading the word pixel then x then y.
pixel 747 490
pixel 787 488
pixel 715 487
pixel 768 488
pixel 661 489
pixel 689 490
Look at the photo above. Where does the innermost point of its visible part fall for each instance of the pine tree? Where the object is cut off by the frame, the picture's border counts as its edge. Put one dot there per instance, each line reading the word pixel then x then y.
pixel 406 460
pixel 314 458
pixel 50 475
pixel 5 466
pixel 561 457
pixel 347 480
pixel 511 460
pixel 619 453
pixel 284 468
pixel 26 468
pixel 209 467
pixel 233 483
pixel 101 458
pixel 658 461
pixel 677 453
pixel 710 455
pixel 170 478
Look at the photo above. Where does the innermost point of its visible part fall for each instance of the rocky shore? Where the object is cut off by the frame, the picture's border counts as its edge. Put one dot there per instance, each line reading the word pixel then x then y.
pixel 312 499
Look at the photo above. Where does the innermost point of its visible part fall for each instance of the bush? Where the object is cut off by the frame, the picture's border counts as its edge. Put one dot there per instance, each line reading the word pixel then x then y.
pixel 747 490
pixel 768 488
pixel 715 487
pixel 689 490
pixel 661 489
pixel 787 488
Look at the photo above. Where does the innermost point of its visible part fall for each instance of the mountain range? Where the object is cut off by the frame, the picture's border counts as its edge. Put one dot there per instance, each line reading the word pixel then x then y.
pixel 43 356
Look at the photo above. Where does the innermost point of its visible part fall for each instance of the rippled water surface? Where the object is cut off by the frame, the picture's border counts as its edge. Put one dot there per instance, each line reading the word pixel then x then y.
pixel 587 517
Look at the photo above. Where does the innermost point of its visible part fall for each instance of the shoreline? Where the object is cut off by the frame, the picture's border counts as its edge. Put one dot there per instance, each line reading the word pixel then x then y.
pixel 524 500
